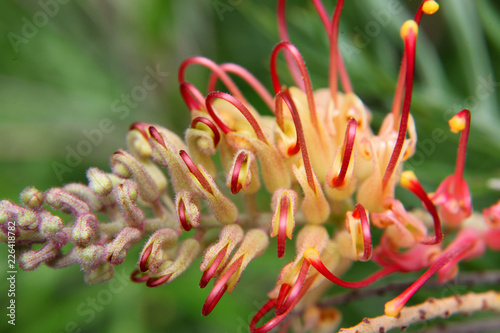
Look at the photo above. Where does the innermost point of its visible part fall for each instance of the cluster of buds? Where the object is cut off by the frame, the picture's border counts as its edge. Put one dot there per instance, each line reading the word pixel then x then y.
pixel 315 154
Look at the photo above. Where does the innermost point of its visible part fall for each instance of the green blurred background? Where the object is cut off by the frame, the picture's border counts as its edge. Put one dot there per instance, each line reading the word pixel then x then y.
pixel 65 66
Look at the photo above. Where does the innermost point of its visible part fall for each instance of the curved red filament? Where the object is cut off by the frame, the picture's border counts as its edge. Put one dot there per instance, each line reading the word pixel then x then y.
pixel 283 32
pixel 195 171
pixel 278 318
pixel 321 268
pixel 240 106
pixel 192 96
pixel 359 212
pixel 410 42
pixel 210 271
pixel 455 249
pixel 138 277
pixel 334 50
pixel 235 184
pixel 156 282
pixel 350 136
pixel 215 69
pixel 143 262
pixel 284 96
pixel 303 71
pixel 416 188
pixel 220 287
pixel 462 145
pixel 247 77
pixel 210 124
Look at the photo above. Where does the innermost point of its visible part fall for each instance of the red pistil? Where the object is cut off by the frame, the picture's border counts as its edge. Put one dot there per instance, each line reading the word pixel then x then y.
pixel 156 282
pixel 295 290
pixel 138 277
pixel 350 135
pixel 334 50
pixel 283 32
pixel 359 212
pixel 235 184
pixel 398 95
pixel 281 238
pixel 247 77
pixel 301 140
pixel 143 262
pixel 411 183
pixel 220 287
pixel 156 135
pixel 303 71
pixel 462 145
pixel 210 125
pixel 216 69
pixel 455 249
pixel 316 262
pixel 192 96
pixel 240 106
pixel 453 195
pixel 210 271
pixel 410 39
pixel 195 171
pixel 278 318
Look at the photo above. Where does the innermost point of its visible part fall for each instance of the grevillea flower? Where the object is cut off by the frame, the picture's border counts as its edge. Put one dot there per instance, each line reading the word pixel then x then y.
pixel 331 178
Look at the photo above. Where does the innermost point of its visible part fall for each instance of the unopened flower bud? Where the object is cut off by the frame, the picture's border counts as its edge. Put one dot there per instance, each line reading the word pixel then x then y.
pixel 85 194
pixel 57 198
pixel 153 256
pixel 166 146
pixel 244 173
pixel 283 204
pixel 188 213
pixel 116 251
pixel 216 255
pixel 254 244
pixel 99 182
pixel 224 209
pixel 31 259
pixel 125 165
pixel 91 256
pixel 32 197
pixel 315 206
pixel 188 251
pixel 126 194
pixel 84 229
pixel 138 141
